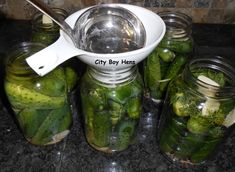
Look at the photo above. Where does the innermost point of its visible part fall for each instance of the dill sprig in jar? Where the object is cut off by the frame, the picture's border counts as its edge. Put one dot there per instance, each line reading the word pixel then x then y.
pixel 198 112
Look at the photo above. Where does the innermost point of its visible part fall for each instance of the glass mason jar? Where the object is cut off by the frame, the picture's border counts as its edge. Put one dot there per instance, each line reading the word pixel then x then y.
pixel 170 56
pixel 111 103
pixel 44 30
pixel 197 113
pixel 40 104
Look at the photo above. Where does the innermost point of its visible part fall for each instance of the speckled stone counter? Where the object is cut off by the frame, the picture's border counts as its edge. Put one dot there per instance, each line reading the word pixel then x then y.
pixel 73 154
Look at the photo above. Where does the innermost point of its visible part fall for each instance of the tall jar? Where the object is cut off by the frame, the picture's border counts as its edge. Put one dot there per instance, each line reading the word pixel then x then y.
pixel 170 56
pixel 40 104
pixel 44 30
pixel 198 110
pixel 111 103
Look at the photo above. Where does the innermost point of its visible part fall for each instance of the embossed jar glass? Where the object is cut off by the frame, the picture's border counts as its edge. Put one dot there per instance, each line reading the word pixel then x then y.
pixel 111 104
pixel 170 56
pixel 198 110
pixel 40 104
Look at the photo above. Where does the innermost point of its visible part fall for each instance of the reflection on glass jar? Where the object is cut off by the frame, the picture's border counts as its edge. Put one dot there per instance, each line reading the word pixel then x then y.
pixel 40 104
pixel 44 30
pixel 197 113
pixel 111 103
pixel 170 56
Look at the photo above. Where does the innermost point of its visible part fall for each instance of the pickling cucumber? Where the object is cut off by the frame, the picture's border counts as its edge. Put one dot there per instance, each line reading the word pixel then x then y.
pixel 51 125
pixel 53 84
pixel 188 144
pixel 30 120
pixel 96 98
pixel 117 111
pixel 165 54
pixel 205 151
pixel 152 74
pixel 101 129
pixel 174 70
pixel 21 97
pixel 179 46
pixel 89 111
pixel 121 93
pixel 125 130
pixel 172 133
pixel 134 107
pixel 164 68
pixel 198 125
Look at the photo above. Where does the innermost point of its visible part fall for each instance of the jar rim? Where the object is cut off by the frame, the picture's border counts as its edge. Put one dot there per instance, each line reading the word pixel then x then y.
pixel 178 24
pixel 215 63
pixel 22 49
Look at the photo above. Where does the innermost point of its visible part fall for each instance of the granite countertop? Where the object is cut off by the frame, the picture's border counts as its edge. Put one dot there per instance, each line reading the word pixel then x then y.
pixel 74 154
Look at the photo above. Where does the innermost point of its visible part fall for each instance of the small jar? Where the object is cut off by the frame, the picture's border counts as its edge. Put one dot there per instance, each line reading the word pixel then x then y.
pixel 40 104
pixel 44 30
pixel 170 56
pixel 112 104
pixel 198 110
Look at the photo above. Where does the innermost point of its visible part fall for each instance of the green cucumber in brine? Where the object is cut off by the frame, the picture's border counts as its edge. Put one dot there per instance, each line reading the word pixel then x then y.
pixel 53 84
pixel 166 54
pixel 134 107
pixel 102 128
pixel 198 125
pixel 205 151
pixel 174 69
pixel 66 122
pixel 173 132
pixel 117 111
pixel 126 131
pixel 21 97
pixel 30 120
pixel 121 93
pixel 188 144
pixel 152 74
pixel 51 125
pixel 89 113
pixel 164 68
pixel 96 98
pixel 179 46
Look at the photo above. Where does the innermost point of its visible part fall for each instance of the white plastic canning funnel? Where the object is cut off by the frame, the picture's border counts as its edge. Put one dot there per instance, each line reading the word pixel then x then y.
pixel 63 49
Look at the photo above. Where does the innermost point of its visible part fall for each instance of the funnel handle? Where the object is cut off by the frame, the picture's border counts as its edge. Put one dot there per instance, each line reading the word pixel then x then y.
pixel 52 56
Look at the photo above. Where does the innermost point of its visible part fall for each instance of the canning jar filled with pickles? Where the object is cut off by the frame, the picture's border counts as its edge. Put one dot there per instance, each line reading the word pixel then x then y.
pixel 170 56
pixel 40 104
pixel 44 30
pixel 112 105
pixel 198 110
